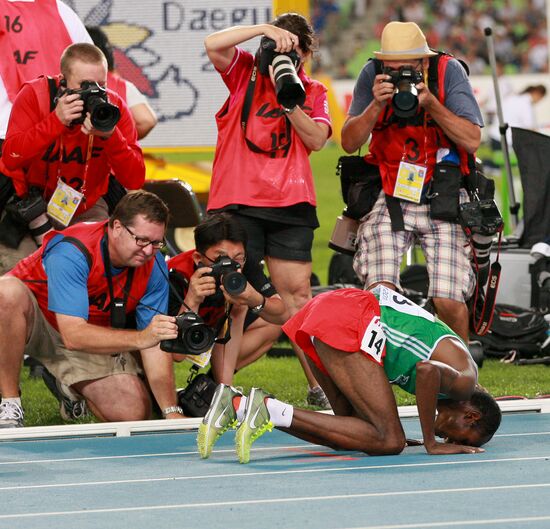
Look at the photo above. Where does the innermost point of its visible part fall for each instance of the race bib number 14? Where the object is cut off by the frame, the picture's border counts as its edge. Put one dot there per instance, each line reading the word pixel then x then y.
pixel 374 340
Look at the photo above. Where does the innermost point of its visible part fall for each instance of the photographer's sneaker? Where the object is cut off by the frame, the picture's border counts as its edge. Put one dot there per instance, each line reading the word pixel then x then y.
pixel 11 415
pixel 71 407
pixel 218 419
pixel 316 397
pixel 256 422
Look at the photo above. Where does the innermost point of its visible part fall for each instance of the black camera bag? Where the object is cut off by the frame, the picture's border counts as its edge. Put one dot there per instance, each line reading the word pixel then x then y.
pixel 195 399
pixel 444 192
pixel 514 329
pixel 361 185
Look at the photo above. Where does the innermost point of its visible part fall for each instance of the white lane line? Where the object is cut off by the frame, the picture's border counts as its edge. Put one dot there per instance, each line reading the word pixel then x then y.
pixel 276 500
pixel 265 473
pixel 160 454
pixel 169 454
pixel 492 521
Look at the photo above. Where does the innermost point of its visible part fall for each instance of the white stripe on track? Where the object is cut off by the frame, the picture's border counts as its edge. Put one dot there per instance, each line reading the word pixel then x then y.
pixel 265 473
pixel 275 501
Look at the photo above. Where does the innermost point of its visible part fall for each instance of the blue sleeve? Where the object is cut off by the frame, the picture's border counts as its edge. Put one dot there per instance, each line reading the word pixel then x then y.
pixel 156 294
pixel 362 93
pixel 459 95
pixel 67 270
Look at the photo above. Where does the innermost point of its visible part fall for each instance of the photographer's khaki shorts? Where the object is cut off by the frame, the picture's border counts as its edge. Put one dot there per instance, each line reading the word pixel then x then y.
pixel 69 367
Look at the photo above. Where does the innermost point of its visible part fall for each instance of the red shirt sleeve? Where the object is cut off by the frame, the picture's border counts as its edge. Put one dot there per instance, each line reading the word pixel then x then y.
pixel 28 134
pixel 122 148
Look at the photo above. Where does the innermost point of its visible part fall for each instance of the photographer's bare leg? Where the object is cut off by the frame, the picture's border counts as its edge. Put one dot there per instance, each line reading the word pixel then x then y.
pixel 120 397
pixel 16 320
pixel 258 339
pixel 292 281
pixel 455 315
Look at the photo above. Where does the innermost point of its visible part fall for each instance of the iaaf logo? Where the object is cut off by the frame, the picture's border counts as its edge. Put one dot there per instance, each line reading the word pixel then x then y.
pixel 133 58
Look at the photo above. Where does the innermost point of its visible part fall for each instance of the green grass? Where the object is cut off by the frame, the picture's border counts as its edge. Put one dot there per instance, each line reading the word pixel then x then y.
pixel 285 379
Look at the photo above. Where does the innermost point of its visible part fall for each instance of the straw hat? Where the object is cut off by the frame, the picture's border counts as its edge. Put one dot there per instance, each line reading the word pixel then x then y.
pixel 403 40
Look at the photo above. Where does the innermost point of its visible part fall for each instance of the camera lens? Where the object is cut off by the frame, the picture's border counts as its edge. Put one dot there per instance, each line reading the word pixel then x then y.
pixel 288 87
pixel 405 99
pixel 234 283
pixel 103 115
pixel 198 338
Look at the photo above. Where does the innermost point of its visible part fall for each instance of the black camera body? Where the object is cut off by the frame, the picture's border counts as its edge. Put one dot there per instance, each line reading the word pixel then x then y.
pixel 288 86
pixel 481 216
pixel 103 115
pixel 405 97
pixel 194 336
pixel 226 272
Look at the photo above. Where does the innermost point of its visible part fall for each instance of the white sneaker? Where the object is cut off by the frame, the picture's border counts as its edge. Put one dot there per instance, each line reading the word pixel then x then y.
pixel 11 415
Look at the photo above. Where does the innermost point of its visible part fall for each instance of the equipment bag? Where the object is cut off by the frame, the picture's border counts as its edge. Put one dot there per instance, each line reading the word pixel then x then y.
pixel 361 184
pixel 515 329
pixel 196 398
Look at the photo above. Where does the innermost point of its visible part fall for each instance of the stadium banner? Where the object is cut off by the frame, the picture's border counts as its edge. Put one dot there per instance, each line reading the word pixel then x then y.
pixel 159 46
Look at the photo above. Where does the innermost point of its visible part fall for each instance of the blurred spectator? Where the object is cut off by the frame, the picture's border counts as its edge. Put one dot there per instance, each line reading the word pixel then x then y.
pixel 144 116
pixel 518 111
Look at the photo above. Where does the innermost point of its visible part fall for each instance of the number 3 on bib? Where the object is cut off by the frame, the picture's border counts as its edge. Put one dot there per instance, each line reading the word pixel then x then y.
pixel 374 340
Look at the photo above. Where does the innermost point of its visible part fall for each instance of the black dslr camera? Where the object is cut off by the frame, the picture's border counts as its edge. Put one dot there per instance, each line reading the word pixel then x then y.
pixel 225 272
pixel 481 217
pixel 103 115
pixel 405 97
pixel 194 336
pixel 288 86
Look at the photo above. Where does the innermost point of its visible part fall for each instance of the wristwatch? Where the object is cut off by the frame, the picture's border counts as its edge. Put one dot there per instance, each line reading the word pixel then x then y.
pixel 287 110
pixel 258 308
pixel 172 409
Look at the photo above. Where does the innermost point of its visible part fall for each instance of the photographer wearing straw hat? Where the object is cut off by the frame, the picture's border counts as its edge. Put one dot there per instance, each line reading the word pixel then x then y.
pixel 418 109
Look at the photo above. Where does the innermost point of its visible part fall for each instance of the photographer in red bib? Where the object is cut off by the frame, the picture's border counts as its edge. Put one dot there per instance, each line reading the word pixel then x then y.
pixel 417 139
pixel 65 137
pixel 274 117
pixel 69 306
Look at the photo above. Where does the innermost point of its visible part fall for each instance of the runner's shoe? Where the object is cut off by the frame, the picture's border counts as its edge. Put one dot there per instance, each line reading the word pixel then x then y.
pixel 255 423
pixel 11 415
pixel 218 419
pixel 316 397
pixel 71 407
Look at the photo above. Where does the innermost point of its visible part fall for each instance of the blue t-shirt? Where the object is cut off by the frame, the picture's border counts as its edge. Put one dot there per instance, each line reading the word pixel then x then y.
pixel 67 270
pixel 459 96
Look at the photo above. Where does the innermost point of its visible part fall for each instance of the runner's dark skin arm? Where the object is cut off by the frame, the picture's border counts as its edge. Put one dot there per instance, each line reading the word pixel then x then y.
pixel 434 378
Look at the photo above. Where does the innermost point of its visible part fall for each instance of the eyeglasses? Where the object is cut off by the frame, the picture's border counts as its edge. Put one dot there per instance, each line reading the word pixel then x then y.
pixel 143 242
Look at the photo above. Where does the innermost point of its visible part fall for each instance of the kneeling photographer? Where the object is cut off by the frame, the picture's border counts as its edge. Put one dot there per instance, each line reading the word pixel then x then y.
pixel 67 136
pixel 235 302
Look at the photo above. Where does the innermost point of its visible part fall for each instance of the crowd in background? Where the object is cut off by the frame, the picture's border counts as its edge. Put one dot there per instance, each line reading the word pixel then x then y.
pixel 456 26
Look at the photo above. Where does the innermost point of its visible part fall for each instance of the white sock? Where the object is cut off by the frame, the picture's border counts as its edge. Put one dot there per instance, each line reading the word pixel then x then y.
pixel 241 408
pixel 15 400
pixel 280 413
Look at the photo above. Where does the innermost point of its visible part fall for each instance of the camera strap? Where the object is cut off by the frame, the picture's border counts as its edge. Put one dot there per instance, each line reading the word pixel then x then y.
pixel 225 322
pixel 482 325
pixel 245 113
pixel 109 276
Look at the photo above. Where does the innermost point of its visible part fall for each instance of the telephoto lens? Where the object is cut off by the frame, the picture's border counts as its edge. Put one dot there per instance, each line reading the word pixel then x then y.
pixel 103 115
pixel 234 283
pixel 288 86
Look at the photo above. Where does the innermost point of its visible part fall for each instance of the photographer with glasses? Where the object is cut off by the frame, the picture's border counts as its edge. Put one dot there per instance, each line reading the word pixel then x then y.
pixel 66 136
pixel 68 305
pixel 200 277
